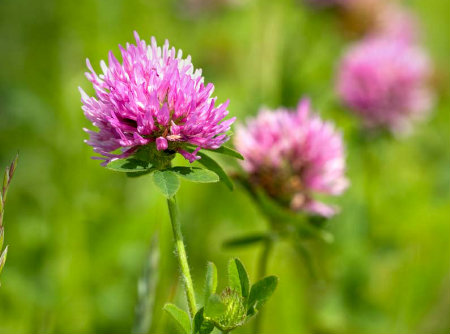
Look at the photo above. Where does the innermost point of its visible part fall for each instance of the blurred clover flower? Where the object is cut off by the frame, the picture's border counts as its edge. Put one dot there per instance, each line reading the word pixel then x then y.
pixel 153 96
pixel 384 80
pixel 293 155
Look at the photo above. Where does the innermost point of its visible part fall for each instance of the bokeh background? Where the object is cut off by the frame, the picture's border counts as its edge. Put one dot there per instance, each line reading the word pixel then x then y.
pixel 79 234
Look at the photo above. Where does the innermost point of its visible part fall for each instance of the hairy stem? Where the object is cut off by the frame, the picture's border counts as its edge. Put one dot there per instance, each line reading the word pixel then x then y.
pixel 181 254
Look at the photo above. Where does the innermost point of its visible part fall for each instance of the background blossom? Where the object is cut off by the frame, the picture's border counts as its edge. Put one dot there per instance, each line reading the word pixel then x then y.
pixel 384 81
pixel 294 155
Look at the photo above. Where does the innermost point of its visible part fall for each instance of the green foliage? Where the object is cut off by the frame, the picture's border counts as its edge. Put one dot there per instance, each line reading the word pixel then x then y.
pixel 167 182
pixel 131 165
pixel 226 311
pixel 180 317
pixel 148 160
pixel 238 278
pixel 195 174
pixel 247 240
pixel 214 308
pixel 212 165
pixel 210 281
pixel 234 306
pixel 201 325
pixel 237 303
pixel 223 150
pixel 228 151
pixel 260 292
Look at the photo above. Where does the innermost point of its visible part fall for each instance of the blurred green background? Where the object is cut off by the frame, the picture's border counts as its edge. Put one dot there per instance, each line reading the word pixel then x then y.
pixel 79 234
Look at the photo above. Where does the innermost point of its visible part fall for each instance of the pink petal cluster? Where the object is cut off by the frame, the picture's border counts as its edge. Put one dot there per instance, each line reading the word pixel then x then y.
pixel 294 155
pixel 384 80
pixel 152 96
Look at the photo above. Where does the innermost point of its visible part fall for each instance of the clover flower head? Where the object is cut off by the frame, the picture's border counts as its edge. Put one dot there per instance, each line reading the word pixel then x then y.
pixel 294 155
pixel 153 97
pixel 384 81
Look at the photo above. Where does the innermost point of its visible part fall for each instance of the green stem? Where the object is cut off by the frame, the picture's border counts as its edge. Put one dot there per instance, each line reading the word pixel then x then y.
pixel 264 258
pixel 371 154
pixel 262 270
pixel 309 263
pixel 181 254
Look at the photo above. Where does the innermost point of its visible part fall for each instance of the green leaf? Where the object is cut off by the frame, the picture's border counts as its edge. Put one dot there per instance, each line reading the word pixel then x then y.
pixel 167 182
pixel 196 174
pixel 212 165
pixel 238 278
pixel 201 325
pixel 227 151
pixel 137 174
pixel 246 240
pixel 261 291
pixel 180 317
pixel 211 280
pixel 3 258
pixel 214 308
pixel 130 165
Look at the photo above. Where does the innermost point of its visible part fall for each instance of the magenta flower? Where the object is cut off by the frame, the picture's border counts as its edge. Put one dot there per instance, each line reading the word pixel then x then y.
pixel 294 155
pixel 384 80
pixel 152 96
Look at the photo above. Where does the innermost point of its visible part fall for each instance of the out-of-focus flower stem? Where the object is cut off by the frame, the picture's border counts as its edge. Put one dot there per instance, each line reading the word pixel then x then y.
pixel 262 270
pixel 264 258
pixel 181 254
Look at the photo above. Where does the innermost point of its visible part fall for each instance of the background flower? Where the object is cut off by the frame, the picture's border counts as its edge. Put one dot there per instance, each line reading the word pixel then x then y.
pixel 154 95
pixel 385 81
pixel 294 155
